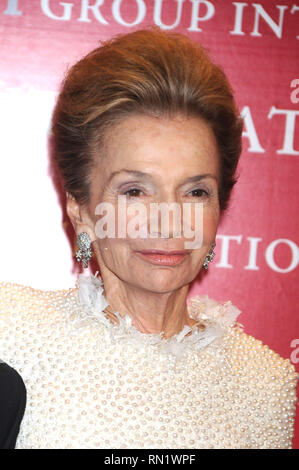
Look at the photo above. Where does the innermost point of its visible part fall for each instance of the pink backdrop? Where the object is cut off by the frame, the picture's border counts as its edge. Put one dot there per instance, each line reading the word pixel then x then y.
pixel 256 262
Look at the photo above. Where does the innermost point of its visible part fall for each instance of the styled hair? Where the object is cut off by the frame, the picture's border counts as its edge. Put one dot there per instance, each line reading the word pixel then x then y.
pixel 147 72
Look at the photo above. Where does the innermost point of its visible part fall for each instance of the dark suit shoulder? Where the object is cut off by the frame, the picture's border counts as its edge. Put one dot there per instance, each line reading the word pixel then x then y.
pixel 12 405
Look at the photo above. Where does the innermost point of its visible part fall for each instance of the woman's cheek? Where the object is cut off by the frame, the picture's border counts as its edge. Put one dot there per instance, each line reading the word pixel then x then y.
pixel 204 222
pixel 210 223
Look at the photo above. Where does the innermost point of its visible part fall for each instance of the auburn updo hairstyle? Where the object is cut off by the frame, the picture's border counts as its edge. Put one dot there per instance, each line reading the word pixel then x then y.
pixel 146 72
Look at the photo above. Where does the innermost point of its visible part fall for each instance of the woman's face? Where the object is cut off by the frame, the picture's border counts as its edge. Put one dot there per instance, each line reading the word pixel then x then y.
pixel 167 154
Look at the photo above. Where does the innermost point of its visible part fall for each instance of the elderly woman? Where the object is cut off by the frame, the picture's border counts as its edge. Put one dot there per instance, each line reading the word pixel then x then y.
pixel 122 360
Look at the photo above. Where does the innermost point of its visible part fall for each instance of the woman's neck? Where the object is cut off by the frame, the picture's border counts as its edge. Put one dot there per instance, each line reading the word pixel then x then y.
pixel 151 312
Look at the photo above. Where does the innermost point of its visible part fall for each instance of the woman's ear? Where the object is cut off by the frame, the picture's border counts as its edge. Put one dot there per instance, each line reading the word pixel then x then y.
pixel 79 217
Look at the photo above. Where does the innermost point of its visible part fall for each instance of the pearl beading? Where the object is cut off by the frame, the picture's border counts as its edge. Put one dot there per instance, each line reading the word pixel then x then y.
pixel 89 385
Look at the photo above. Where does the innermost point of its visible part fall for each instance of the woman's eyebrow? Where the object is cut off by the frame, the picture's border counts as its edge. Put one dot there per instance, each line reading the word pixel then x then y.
pixel 192 179
pixel 141 174
pixel 138 174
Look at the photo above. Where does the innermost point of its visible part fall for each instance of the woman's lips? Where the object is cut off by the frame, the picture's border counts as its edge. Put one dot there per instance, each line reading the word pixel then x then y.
pixel 166 258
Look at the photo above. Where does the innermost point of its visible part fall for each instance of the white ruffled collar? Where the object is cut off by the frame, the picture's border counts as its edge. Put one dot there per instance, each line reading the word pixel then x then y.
pixel 217 319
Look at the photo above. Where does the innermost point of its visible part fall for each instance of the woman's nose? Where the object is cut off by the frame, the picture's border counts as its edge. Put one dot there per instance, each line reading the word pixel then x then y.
pixel 165 219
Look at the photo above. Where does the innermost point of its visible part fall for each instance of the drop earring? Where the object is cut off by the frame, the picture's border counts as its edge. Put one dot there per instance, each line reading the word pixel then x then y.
pixel 209 256
pixel 84 253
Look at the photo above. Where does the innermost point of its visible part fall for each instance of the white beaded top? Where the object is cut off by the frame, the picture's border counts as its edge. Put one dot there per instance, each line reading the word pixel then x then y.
pixel 92 383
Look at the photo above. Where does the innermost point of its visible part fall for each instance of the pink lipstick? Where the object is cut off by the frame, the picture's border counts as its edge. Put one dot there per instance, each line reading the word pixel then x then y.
pixel 165 258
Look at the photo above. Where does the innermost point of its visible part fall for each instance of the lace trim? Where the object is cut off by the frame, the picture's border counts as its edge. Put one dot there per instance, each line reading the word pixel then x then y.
pixel 216 318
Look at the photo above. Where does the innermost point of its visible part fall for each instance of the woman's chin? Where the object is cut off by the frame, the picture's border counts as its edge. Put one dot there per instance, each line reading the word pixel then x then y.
pixel 161 281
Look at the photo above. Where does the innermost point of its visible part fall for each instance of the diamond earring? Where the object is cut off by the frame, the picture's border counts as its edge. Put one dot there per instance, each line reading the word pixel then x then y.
pixel 209 256
pixel 84 253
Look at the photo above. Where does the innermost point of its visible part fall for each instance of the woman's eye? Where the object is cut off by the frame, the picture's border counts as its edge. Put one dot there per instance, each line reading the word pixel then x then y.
pixel 133 192
pixel 199 193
